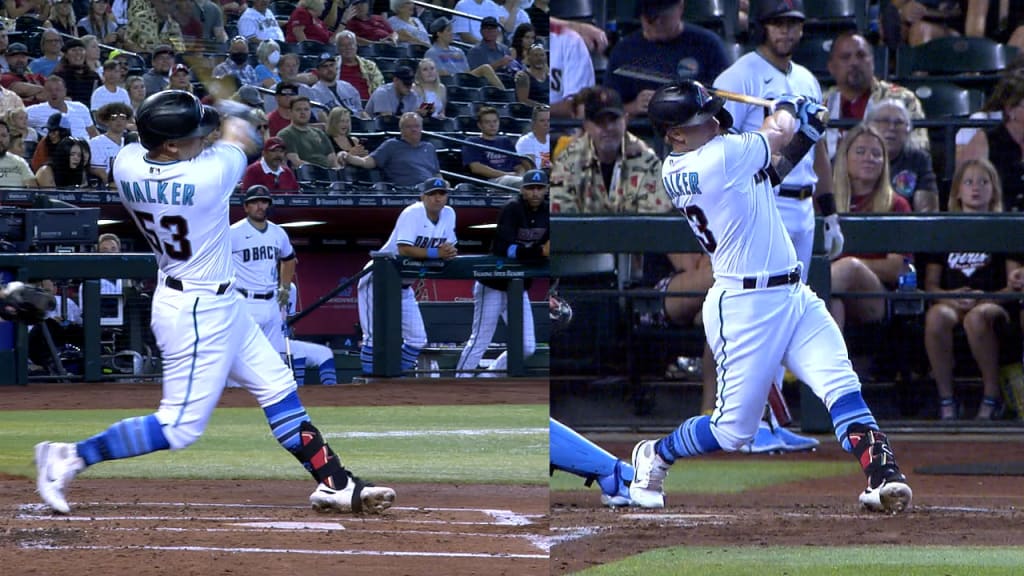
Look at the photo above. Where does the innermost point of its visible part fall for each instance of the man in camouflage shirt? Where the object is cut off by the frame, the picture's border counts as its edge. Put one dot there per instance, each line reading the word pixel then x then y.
pixel 852 63
pixel 607 169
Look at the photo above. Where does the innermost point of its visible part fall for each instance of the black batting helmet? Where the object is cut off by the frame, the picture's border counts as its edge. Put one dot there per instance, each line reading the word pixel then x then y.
pixel 172 115
pixel 686 103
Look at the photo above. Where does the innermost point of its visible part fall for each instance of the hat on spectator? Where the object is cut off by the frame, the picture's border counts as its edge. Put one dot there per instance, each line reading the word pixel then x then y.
pixel 249 96
pixel 257 192
pixel 58 121
pixel 325 58
pixel 405 74
pixel 439 24
pixel 602 101
pixel 534 178
pixel 286 89
pixel 274 143
pixel 163 49
pixel 433 183
pixel 16 48
pixel 490 22
pixel 72 43
pixel 179 67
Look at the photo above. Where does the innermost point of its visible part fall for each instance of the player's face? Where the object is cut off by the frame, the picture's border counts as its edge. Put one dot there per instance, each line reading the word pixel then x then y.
pixel 781 36
pixel 606 132
pixel 852 63
pixel 435 201
pixel 256 210
pixel 864 158
pixel 976 190
pixel 533 195
pixel 893 127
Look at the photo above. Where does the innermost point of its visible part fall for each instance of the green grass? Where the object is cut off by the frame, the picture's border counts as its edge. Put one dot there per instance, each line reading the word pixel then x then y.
pixel 501 445
pixel 819 561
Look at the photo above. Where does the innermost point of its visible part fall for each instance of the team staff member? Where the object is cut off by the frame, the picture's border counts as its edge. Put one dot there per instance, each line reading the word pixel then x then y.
pixel 177 191
pixel 758 312
pixel 425 230
pixel 523 234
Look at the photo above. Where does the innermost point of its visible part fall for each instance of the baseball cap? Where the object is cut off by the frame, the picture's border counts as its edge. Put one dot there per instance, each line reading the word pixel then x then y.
pixel 775 9
pixel 433 183
pixel 490 22
pixel 72 43
pixel 274 143
pixel 286 89
pixel 58 120
pixel 602 101
pixel 180 68
pixel 405 74
pixel 325 58
pixel 439 24
pixel 249 96
pixel 16 48
pixel 163 49
pixel 534 178
pixel 257 192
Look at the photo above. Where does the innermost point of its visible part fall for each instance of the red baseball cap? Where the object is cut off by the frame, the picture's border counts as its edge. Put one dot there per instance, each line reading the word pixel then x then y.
pixel 274 143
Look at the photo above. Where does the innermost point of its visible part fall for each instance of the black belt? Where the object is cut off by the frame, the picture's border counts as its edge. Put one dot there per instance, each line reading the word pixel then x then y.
pixel 258 296
pixel 791 277
pixel 176 284
pixel 798 193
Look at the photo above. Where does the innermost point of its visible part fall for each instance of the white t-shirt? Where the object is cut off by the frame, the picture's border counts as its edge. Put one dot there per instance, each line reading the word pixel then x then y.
pixel 964 135
pixel 483 10
pixel 104 150
pixel 541 151
pixel 78 114
pixel 256 254
pixel 252 24
pixel 101 96
pixel 571 67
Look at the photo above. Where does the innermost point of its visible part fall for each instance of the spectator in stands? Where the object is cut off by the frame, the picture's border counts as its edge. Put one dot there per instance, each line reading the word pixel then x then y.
pixel 975 189
pixel 512 16
pixel 17 124
pixel 115 116
pixel 572 69
pixel 79 80
pixel 14 170
pixel 930 19
pixel 356 70
pixel 281 116
pixel 332 92
pixel 62 18
pixel 92 54
pixel 56 101
pixel 427 85
pixel 152 25
pixel 51 44
pixel 271 170
pixel 537 142
pixel 491 51
pixel 522 39
pixel 158 76
pixel 201 20
pixel 119 9
pixel 540 17
pixel 181 78
pixel 469 31
pixel 666 45
pixel 370 28
pixel 533 85
pixel 67 167
pixel 110 90
pixel 1004 144
pixel 305 23
pixel 852 63
pixel 9 101
pixel 397 97
pixel 910 168
pixel 861 185
pixel 39 9
pixel 306 144
pixel 992 109
pixel 233 8
pixel 237 64
pixel 404 21
pixel 288 71
pixel 58 127
pixel 339 128
pixel 136 87
pixel 4 45
pixel 607 169
pixel 451 60
pixel 506 169
pixel 27 85
pixel 259 23
pixel 407 160
pixel 268 54
pixel 100 23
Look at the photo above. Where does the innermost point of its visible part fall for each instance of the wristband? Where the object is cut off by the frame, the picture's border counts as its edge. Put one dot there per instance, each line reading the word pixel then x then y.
pixel 826 203
pixel 511 252
pixel 432 253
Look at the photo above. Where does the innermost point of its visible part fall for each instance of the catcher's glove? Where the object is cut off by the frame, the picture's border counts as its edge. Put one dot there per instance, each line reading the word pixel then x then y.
pixel 24 303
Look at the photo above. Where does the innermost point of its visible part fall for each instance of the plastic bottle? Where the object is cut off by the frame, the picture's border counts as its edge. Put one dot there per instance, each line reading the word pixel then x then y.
pixel 907 303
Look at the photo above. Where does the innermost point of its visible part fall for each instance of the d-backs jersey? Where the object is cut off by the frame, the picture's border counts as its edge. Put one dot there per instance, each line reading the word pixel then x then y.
pixel 571 68
pixel 724 192
pixel 753 75
pixel 256 253
pixel 414 228
pixel 181 207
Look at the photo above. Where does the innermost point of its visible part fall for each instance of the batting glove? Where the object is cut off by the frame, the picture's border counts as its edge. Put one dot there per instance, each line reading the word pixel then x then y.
pixel 790 103
pixel 833 237
pixel 810 123
pixel 282 297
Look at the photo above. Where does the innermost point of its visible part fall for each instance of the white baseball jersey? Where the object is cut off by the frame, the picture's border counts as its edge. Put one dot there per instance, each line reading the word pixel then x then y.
pixel 256 254
pixel 571 67
pixel 414 228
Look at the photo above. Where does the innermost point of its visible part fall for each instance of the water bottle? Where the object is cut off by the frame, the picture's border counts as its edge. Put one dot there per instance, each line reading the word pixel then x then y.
pixel 907 303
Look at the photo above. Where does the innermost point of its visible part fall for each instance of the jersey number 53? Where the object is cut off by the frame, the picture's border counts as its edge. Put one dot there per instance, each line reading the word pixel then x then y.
pixel 699 224
pixel 179 248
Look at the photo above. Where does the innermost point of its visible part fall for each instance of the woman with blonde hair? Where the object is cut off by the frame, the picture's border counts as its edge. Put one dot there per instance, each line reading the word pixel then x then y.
pixel 17 123
pixel 92 54
pixel 429 87
pixel 339 128
pixel 860 182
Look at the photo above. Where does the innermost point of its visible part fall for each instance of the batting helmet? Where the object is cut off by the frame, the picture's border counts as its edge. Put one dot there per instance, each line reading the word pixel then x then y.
pixel 687 103
pixel 172 115
pixel 257 192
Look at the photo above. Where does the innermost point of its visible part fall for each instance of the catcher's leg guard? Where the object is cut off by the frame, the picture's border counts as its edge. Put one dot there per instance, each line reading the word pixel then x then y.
pixel 575 454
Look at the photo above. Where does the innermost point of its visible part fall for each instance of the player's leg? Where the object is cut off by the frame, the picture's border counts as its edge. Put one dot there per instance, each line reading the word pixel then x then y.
pixel 414 333
pixel 572 453
pixel 364 301
pixel 322 357
pixel 500 364
pixel 488 304
pixel 817 355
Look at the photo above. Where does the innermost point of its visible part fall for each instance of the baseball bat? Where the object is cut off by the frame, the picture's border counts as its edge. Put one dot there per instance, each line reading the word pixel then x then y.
pixel 741 98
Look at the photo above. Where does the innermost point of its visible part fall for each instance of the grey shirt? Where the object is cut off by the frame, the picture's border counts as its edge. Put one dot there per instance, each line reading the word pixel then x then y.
pixel 384 100
pixel 450 60
pixel 482 54
pixel 404 164
pixel 341 94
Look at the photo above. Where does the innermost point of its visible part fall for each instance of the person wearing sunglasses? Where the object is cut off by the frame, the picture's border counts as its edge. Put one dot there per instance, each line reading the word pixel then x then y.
pixel 271 170
pixel 115 116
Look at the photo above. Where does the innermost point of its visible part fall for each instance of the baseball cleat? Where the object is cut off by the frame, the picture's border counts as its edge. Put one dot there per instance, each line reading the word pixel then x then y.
pixel 57 463
pixel 892 496
pixel 649 472
pixel 356 497
pixel 615 489
pixel 793 442
pixel 763 442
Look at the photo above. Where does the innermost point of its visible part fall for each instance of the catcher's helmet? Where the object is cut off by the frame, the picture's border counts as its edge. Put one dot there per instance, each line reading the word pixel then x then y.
pixel 172 115
pixel 686 103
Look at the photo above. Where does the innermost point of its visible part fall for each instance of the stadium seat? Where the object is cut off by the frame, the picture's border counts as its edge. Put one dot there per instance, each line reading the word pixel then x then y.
pixel 467 124
pixel 390 51
pixel 953 56
pixel 386 66
pixel 467 80
pixel 439 124
pixel 311 175
pixel 360 125
pixel 493 94
pixel 518 110
pixel 448 80
pixel 308 62
pixel 944 99
pixel 462 94
pixel 282 7
pixel 718 16
pixel 372 140
pixel 834 16
pixel 453 109
pixel 514 127
pixel 573 10
pixel 385 124
pixel 314 48
pixel 470 188
pixel 450 159
pixel 417 51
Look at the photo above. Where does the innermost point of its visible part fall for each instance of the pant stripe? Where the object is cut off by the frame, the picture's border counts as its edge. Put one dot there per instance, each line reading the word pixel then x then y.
pixel 192 369
pixel 721 366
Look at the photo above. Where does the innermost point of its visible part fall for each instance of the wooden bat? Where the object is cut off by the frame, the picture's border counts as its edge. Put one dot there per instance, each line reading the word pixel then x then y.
pixel 741 98
pixel 657 77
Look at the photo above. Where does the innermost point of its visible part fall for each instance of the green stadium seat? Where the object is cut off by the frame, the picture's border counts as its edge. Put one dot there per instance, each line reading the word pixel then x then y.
pixel 953 56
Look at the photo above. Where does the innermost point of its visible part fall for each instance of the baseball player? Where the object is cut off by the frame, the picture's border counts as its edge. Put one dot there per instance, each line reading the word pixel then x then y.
pixel 574 454
pixel 177 192
pixel 307 355
pixel 769 72
pixel 759 313
pixel 425 229
pixel 523 234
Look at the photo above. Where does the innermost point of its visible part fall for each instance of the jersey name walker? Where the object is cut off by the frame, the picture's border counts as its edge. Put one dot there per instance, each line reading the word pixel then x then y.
pixel 732 214
pixel 182 208
pixel 256 253
pixel 414 228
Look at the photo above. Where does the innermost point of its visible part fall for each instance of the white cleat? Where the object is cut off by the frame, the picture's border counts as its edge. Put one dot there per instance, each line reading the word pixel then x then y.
pixel 647 489
pixel 356 497
pixel 57 463
pixel 891 497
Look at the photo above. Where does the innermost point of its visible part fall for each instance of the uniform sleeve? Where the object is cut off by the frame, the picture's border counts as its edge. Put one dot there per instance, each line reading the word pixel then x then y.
pixel 451 229
pixel 508 223
pixel 405 227
pixel 284 245
pixel 745 155
pixel 230 162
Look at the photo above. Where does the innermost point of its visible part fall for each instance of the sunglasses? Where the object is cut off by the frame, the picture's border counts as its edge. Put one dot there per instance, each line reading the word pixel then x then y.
pixel 264 127
pixel 113 116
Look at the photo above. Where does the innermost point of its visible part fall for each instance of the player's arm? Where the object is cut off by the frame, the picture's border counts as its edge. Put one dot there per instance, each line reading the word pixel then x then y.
pixel 779 128
pixel 285 273
pixel 446 252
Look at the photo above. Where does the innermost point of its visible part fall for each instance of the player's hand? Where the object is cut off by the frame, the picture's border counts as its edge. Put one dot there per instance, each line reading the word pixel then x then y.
pixel 282 296
pixel 811 123
pixel 790 103
pixel 833 237
pixel 447 251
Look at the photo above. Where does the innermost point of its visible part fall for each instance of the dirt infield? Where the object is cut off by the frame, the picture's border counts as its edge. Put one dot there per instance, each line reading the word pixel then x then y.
pixel 948 510
pixel 250 527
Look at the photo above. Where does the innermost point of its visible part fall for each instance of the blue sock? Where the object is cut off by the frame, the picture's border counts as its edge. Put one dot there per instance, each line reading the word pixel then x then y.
pixel 328 373
pixel 284 418
pixel 693 437
pixel 299 370
pixel 847 410
pixel 366 358
pixel 409 357
pixel 127 438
